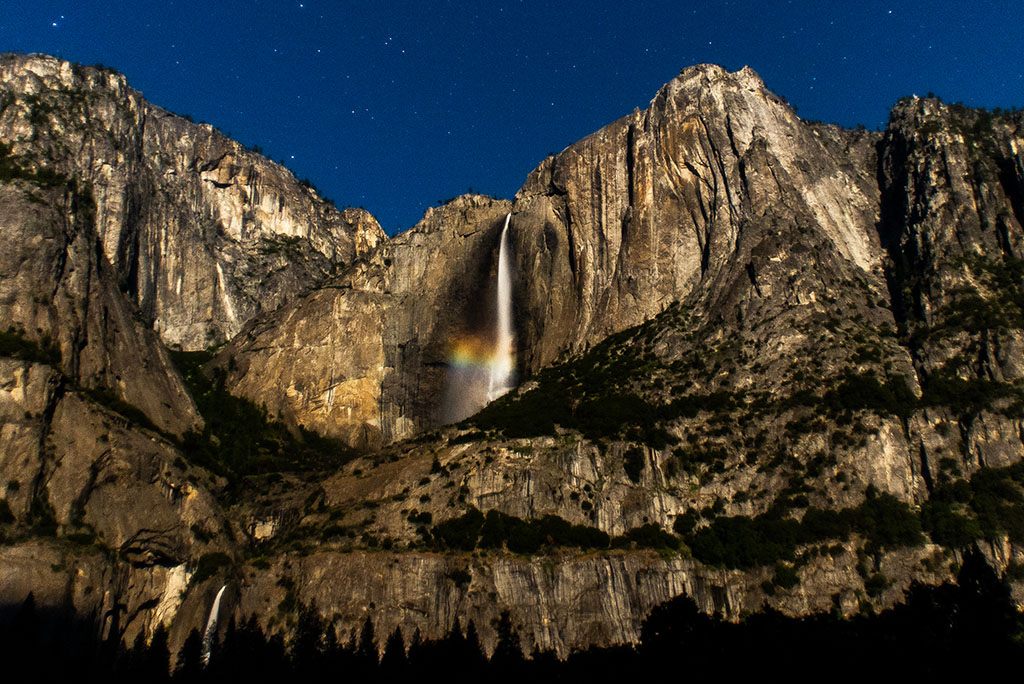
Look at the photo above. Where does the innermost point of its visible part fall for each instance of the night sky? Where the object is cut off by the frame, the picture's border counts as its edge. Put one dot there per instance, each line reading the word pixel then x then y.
pixel 396 105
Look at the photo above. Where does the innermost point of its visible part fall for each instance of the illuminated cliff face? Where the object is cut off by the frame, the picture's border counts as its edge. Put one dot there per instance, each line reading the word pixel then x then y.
pixel 757 315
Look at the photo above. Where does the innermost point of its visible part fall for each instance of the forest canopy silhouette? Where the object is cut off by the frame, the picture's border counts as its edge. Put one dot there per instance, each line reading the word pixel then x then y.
pixel 938 630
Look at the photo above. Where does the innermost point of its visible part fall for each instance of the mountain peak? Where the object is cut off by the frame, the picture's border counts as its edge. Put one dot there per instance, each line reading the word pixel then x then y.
pixel 715 77
pixel 767 349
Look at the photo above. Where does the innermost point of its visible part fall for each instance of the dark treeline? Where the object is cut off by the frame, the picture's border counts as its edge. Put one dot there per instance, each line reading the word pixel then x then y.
pixel 951 629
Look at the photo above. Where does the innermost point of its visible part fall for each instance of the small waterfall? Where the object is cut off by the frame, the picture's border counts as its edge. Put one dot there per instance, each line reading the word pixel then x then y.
pixel 500 378
pixel 211 626
pixel 229 308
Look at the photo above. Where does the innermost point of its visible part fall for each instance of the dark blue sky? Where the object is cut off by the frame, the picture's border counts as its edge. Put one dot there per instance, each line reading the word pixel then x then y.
pixel 395 105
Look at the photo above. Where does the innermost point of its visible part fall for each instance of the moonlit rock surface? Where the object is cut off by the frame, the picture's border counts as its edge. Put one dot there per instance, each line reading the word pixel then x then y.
pixel 764 241
pixel 201 232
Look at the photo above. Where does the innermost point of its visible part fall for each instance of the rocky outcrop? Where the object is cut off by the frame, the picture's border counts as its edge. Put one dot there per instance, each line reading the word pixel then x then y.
pixel 105 517
pixel 364 358
pixel 58 292
pixel 616 227
pixel 201 232
pixel 26 396
pixel 722 312
pixel 718 196
pixel 952 213
pixel 635 216
pixel 556 603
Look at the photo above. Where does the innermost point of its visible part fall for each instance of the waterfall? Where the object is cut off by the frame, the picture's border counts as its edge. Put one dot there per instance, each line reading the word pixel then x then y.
pixel 211 626
pixel 229 309
pixel 481 359
pixel 500 379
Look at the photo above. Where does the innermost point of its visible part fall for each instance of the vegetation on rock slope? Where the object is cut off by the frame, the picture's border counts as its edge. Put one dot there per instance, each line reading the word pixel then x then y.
pixel 239 439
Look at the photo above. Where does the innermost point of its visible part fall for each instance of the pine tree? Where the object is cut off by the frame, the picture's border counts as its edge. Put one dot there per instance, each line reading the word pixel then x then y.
pixel 190 658
pixel 158 656
pixel 393 662
pixel 307 645
pixel 507 662
pixel 20 647
pixel 473 650
pixel 367 649
pixel 414 655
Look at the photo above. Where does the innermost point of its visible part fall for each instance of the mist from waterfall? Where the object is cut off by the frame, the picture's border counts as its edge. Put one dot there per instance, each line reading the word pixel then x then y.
pixel 211 626
pixel 500 378
pixel 481 363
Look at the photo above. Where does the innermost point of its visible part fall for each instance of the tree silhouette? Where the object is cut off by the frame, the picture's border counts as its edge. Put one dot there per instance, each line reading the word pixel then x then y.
pixel 415 656
pixel 938 632
pixel 307 641
pixel 472 652
pixel 157 657
pixel 392 664
pixel 507 662
pixel 366 651
pixel 190 658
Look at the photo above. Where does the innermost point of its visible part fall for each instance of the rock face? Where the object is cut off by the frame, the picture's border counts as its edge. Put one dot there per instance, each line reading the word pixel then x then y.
pixel 559 604
pixel 953 194
pixel 615 228
pixel 201 232
pixel 723 315
pixel 364 359
pixel 59 292
pixel 618 226
pixel 131 519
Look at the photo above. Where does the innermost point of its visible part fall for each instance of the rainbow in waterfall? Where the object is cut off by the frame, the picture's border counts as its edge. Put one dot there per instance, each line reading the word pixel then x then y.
pixel 482 366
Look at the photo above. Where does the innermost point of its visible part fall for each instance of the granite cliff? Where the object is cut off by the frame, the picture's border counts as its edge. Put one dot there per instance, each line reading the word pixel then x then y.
pixel 765 363
pixel 201 232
